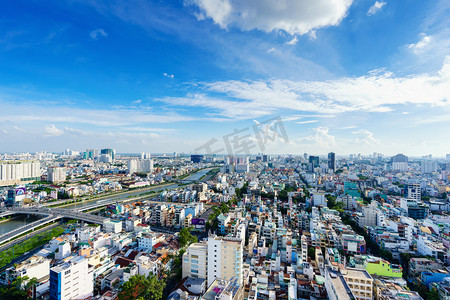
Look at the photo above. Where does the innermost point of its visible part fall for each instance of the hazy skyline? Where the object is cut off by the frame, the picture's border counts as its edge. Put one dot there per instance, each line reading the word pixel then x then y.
pixel 147 76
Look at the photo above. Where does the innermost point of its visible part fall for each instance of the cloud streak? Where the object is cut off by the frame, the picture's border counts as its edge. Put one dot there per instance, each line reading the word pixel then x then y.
pixel 374 92
pixel 376 7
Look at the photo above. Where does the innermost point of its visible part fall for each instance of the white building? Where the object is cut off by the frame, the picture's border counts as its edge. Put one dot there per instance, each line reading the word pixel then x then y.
pixel 34 267
pixel 56 174
pixel 369 215
pixel 318 199
pixel 428 167
pixel 112 226
pixel 195 261
pixel 225 258
pixel 71 280
pixel 414 191
pixel 19 172
pixel 140 165
pixel 146 241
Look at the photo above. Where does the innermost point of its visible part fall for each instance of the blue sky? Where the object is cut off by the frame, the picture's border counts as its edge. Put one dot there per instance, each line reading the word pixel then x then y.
pixel 162 76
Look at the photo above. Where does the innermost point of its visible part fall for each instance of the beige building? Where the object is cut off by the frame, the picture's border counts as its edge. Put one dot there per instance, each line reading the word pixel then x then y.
pixel 19 172
pixel 195 261
pixel 360 283
pixel 219 257
pixel 225 258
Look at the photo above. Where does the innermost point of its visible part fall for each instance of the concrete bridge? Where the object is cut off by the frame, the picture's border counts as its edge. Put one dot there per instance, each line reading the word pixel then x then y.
pixel 51 215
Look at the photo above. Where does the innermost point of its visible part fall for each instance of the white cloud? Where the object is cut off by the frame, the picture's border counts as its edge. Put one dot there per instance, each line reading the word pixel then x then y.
pixel 320 137
pixel 169 75
pixel 51 130
pixel 137 101
pixel 364 136
pixel 307 122
pixel 19 129
pixel 376 7
pixel 95 34
pixel 421 45
pixel 375 92
pixel 293 41
pixel 74 131
pixel 292 16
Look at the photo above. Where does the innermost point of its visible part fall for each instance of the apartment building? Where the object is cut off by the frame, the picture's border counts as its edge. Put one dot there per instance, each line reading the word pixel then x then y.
pixel 19 172
pixel 71 280
pixel 195 261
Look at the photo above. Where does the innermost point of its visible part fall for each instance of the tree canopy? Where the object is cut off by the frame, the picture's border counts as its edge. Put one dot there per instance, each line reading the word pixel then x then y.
pixel 142 288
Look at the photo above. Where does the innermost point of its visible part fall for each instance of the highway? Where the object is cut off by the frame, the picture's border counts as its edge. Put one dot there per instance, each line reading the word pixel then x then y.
pixel 75 211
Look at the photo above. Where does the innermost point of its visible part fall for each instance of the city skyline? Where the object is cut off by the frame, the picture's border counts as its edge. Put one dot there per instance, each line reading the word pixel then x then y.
pixel 348 77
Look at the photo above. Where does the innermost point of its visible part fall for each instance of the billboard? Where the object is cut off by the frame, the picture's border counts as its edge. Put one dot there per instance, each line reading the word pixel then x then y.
pixel 196 221
pixel 21 191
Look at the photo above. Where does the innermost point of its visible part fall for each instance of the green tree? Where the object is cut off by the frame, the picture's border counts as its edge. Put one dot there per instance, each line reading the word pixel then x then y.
pixel 18 289
pixel 185 237
pixel 141 287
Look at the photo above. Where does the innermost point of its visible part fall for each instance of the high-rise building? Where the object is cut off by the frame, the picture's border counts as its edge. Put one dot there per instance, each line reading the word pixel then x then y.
pixel 195 261
pixel 313 163
pixel 332 161
pixel 414 191
pixel 448 157
pixel 219 257
pixel 19 172
pixel 71 280
pixel 140 165
pixel 146 155
pixel 196 158
pixel 429 166
pixel 399 162
pixel 56 174
pixel 110 152
pixel 225 258
pixel 91 153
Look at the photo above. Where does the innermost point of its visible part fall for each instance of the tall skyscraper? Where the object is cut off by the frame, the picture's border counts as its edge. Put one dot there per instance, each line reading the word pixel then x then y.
pixel 313 163
pixel 332 161
pixel 110 152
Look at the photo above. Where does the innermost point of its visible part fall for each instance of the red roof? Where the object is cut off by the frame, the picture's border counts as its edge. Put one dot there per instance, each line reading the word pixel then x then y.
pixel 156 246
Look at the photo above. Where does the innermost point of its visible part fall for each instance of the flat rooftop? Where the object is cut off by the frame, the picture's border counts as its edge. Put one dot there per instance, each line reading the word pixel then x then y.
pixel 358 273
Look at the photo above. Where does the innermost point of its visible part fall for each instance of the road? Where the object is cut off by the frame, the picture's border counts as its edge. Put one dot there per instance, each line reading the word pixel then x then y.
pixel 72 211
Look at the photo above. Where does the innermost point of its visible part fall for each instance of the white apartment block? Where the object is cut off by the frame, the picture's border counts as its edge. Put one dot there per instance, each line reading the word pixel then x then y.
pixel 140 165
pixel 225 258
pixel 318 199
pixel 112 226
pixel 34 267
pixel 146 241
pixel 195 261
pixel 71 280
pixel 56 174
pixel 414 191
pixel 19 172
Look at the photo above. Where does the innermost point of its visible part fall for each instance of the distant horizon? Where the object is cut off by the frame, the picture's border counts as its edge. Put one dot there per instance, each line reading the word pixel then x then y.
pixel 367 155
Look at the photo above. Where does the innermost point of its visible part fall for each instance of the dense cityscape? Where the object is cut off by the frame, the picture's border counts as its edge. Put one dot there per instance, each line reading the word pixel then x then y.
pixel 224 150
pixel 103 225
